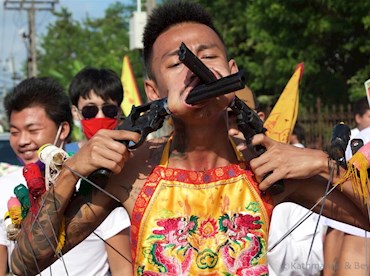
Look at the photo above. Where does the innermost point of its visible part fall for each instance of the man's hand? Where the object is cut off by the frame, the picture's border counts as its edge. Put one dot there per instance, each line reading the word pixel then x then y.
pixel 103 150
pixel 284 161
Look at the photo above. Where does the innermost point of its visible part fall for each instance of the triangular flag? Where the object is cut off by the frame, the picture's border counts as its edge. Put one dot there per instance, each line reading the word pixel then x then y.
pixel 367 89
pixel 283 116
pixel 130 91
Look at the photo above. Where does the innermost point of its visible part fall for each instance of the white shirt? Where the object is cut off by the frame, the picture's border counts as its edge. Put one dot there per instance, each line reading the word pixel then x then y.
pixel 290 256
pixel 364 135
pixel 87 258
pixel 354 133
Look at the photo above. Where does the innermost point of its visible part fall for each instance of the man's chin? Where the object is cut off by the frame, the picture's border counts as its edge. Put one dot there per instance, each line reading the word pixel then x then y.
pixel 27 161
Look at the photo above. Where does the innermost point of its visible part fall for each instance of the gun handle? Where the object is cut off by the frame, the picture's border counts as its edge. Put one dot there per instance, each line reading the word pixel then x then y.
pixel 276 188
pixel 101 176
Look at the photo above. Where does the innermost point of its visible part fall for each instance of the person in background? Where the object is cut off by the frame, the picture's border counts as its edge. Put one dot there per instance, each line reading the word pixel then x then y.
pixel 96 96
pixel 39 113
pixel 291 256
pixel 197 204
pixel 297 138
pixel 343 250
pixel 361 116
pixel 301 252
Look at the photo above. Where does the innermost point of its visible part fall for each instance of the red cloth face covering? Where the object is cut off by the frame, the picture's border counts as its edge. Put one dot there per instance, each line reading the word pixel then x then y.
pixel 91 126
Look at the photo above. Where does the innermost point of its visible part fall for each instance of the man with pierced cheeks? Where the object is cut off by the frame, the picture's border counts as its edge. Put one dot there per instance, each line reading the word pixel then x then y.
pixel 197 204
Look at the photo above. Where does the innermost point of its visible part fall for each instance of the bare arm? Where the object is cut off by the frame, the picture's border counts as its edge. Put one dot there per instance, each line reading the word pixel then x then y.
pixel 35 248
pixel 3 259
pixel 119 255
pixel 306 173
pixel 39 244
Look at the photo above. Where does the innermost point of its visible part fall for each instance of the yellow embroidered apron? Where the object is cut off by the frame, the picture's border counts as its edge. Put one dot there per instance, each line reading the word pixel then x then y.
pixel 212 222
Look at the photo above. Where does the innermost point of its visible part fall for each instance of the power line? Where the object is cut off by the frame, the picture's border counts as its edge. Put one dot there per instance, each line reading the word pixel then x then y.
pixel 31 6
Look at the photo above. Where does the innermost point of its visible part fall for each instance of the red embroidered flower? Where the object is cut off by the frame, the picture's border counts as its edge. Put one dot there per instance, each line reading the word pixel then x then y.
pixel 208 228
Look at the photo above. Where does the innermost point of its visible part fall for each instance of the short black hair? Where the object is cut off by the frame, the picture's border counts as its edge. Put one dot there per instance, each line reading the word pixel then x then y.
pixel 361 106
pixel 104 82
pixel 167 15
pixel 44 92
pixel 299 131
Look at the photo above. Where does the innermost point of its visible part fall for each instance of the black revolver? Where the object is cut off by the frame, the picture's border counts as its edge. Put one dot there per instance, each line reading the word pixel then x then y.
pixel 248 121
pixel 338 144
pixel 250 124
pixel 149 117
pixel 208 89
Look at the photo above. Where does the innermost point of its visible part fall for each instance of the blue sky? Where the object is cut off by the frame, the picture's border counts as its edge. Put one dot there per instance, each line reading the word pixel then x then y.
pixel 14 23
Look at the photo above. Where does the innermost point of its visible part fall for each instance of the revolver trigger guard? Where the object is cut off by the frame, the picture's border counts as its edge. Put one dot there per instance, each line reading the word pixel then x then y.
pixel 139 143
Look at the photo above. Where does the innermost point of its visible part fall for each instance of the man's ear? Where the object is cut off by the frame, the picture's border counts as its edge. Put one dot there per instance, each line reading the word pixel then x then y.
pixel 66 129
pixel 75 114
pixel 261 115
pixel 357 119
pixel 151 90
pixel 233 67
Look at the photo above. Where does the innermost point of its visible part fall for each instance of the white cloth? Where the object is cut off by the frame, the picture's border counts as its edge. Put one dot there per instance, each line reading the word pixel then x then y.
pixel 87 258
pixel 290 256
pixel 354 133
pixel 346 228
pixel 298 145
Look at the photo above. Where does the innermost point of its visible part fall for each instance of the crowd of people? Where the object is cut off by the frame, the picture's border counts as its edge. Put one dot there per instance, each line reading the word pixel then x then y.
pixel 194 202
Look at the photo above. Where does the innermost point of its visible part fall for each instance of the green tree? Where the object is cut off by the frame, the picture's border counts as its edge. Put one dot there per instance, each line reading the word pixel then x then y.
pixel 69 45
pixel 268 38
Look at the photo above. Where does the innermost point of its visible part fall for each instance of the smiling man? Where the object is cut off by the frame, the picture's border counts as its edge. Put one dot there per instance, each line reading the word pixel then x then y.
pixel 39 113
pixel 34 120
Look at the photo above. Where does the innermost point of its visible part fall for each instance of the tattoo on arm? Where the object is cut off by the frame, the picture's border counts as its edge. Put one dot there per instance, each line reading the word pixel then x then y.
pixel 35 249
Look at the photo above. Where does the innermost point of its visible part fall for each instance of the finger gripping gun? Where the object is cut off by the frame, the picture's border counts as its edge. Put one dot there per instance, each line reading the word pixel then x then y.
pixel 250 124
pixel 142 119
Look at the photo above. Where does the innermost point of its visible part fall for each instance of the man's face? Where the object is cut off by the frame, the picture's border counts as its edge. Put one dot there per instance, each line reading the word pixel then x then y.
pixel 364 120
pixel 175 80
pixel 29 130
pixel 98 103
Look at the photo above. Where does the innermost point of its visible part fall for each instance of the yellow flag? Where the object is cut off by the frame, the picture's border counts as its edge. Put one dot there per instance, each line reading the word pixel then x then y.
pixel 130 91
pixel 283 116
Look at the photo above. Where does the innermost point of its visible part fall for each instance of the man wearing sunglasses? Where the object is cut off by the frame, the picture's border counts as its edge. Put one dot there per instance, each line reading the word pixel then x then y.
pixel 96 96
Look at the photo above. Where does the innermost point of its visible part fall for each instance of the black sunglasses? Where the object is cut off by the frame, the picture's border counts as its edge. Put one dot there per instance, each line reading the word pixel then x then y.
pixel 109 110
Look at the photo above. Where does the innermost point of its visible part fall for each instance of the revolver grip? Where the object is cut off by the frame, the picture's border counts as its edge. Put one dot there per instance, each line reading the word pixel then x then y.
pixel 102 175
pixel 276 188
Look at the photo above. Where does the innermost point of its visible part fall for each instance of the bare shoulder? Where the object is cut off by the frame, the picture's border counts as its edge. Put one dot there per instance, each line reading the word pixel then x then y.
pixel 129 182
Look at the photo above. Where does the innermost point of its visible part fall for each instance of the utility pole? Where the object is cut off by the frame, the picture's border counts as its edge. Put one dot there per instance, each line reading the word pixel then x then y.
pixel 15 75
pixel 31 6
pixel 150 5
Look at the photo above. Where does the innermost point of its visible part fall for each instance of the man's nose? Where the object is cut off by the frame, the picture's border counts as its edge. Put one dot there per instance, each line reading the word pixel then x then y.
pixel 100 114
pixel 24 138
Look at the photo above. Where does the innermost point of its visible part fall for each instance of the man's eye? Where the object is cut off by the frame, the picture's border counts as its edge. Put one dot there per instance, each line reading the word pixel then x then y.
pixel 208 57
pixel 175 64
pixel 34 130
